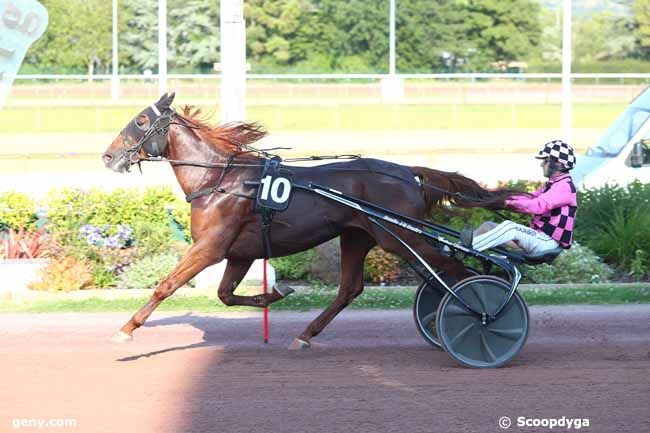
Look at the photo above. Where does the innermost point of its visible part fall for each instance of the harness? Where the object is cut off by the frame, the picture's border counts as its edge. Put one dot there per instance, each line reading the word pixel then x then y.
pixel 273 188
pixel 273 195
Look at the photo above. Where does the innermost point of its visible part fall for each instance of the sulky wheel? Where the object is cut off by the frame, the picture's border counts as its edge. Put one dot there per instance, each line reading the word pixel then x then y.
pixel 425 308
pixel 464 335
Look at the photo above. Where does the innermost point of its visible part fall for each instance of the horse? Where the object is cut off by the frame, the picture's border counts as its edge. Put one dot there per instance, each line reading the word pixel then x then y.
pixel 215 166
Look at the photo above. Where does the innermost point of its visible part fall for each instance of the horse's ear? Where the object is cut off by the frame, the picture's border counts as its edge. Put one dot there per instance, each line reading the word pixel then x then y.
pixel 170 98
pixel 166 100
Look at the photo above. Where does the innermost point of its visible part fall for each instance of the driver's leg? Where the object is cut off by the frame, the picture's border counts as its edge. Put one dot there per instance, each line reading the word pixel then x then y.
pixel 490 225
pixel 508 231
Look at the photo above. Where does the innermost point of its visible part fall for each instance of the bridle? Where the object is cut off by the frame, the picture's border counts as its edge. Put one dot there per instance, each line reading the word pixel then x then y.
pixel 154 139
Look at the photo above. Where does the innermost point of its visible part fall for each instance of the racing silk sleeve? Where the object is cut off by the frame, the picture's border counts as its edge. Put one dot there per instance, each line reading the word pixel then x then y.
pixel 559 194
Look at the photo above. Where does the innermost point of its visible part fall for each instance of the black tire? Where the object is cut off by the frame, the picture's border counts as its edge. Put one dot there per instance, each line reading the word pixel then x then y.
pixel 466 339
pixel 425 310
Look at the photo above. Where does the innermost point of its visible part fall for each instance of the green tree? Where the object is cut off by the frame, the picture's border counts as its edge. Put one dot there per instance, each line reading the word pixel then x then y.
pixel 602 36
pixel 78 36
pixel 194 40
pixel 551 40
pixel 430 35
pixel 139 41
pixel 641 12
pixel 271 27
pixel 344 36
pixel 502 30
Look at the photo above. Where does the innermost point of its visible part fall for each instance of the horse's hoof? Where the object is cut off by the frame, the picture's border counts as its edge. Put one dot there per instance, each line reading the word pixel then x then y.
pixel 283 290
pixel 121 337
pixel 298 344
pixel 318 346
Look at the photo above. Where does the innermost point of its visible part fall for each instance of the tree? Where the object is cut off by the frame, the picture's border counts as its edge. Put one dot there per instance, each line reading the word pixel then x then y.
pixel 641 12
pixel 502 30
pixel 599 37
pixel 139 41
pixel 78 35
pixel 345 36
pixel 430 35
pixel 271 27
pixel 194 40
pixel 551 40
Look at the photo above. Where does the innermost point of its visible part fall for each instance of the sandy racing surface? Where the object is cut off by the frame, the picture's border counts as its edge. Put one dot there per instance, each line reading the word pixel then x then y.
pixel 209 373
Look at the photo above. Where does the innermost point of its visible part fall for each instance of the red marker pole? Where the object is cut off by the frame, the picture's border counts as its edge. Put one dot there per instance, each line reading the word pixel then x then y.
pixel 266 309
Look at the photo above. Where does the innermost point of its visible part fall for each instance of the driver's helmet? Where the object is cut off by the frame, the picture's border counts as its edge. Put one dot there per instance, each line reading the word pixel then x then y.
pixel 560 152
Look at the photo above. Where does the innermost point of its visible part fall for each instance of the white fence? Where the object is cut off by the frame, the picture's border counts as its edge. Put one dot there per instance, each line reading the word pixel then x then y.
pixel 35 99
pixel 466 88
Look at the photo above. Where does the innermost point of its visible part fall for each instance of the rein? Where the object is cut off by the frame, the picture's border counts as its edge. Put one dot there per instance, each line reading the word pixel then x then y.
pixel 266 153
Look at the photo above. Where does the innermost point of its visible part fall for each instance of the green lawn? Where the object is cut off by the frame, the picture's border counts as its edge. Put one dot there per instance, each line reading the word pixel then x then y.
pixel 388 298
pixel 327 117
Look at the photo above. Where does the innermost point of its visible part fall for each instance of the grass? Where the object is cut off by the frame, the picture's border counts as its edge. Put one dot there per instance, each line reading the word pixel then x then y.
pixel 388 298
pixel 589 295
pixel 327 117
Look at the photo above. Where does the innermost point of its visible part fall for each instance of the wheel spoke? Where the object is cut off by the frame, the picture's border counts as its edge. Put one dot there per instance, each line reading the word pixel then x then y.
pixel 461 335
pixel 511 334
pixel 479 292
pixel 453 310
pixel 487 348
pixel 426 320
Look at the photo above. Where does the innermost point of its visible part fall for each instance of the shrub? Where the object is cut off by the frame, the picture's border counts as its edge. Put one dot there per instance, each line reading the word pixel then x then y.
pixel 613 221
pixel 17 211
pixel 104 278
pixel 146 273
pixel 381 266
pixel 579 264
pixel 293 267
pixel 70 209
pixel 638 268
pixel 181 214
pixel 65 274
pixel 25 245
pixel 152 239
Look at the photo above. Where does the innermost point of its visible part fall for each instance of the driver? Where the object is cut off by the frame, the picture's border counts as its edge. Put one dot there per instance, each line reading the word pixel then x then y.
pixel 553 207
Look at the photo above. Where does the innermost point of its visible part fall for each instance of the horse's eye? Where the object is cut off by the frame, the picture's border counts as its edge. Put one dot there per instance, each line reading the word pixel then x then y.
pixel 142 121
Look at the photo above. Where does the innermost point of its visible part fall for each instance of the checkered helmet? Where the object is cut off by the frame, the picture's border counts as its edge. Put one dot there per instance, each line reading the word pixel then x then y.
pixel 558 151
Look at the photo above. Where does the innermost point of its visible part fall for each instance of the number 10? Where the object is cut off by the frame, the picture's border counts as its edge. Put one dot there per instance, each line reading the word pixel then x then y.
pixel 274 188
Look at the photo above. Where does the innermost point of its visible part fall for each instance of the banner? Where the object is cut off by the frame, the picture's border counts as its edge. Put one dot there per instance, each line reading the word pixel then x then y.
pixel 21 24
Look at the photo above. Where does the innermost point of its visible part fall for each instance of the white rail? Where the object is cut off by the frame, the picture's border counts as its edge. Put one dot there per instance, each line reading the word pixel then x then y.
pixel 483 75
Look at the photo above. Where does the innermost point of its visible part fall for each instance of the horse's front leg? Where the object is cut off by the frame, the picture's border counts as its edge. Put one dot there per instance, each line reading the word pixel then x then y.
pixel 195 260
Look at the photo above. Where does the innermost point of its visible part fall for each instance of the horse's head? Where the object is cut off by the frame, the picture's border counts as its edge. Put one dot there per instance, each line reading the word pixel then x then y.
pixel 144 136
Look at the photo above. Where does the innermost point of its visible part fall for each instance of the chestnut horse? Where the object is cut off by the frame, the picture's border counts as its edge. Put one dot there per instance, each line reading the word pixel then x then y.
pixel 225 226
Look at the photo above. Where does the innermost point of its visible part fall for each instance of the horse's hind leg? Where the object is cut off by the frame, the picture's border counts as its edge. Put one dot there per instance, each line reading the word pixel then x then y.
pixel 232 276
pixel 355 245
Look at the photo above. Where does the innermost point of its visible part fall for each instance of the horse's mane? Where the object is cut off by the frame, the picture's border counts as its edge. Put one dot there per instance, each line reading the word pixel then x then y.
pixel 230 138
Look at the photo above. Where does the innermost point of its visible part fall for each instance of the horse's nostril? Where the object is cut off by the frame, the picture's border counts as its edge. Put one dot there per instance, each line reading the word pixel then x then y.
pixel 107 158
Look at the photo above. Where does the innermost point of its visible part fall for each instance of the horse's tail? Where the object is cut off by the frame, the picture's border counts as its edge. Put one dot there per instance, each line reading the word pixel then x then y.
pixel 441 188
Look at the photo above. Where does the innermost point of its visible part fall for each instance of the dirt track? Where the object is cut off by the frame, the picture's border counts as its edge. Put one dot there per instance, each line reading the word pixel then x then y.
pixel 187 373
